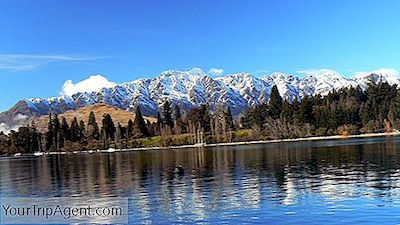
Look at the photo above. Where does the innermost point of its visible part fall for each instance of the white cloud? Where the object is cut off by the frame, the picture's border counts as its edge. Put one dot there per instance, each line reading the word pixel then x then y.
pixel 216 71
pixel 19 120
pixel 20 117
pixel 93 83
pixel 6 129
pixel 381 71
pixel 20 62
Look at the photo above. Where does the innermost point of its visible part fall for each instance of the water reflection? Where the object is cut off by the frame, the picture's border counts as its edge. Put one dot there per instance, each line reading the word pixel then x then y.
pixel 234 184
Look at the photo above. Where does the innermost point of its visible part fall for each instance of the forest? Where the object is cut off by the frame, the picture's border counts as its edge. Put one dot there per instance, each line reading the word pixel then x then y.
pixel 348 111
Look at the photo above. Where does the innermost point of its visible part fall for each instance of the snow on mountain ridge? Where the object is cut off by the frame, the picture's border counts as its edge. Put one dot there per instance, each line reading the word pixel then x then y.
pixel 194 87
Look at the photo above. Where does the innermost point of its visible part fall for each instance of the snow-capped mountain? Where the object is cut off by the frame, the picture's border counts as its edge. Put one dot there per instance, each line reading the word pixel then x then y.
pixel 191 88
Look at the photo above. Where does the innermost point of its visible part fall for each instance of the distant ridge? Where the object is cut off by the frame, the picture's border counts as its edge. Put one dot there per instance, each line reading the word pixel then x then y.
pixel 194 87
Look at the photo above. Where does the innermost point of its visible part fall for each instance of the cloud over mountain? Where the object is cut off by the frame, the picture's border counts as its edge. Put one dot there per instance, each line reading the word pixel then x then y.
pixel 93 83
pixel 188 89
pixel 216 71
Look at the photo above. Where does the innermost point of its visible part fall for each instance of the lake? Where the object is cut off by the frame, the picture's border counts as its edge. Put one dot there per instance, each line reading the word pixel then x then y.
pixel 326 182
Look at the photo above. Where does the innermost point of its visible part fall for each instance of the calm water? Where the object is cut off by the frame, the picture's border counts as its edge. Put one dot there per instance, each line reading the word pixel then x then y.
pixel 329 182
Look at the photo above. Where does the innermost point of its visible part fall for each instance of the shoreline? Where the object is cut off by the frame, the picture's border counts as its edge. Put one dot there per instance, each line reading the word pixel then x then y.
pixel 319 138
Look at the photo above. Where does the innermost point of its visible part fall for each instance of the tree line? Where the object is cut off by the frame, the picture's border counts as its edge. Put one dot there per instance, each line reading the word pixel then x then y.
pixel 349 110
pixel 171 128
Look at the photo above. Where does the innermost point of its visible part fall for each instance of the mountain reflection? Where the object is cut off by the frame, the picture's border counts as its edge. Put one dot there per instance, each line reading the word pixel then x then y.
pixel 215 179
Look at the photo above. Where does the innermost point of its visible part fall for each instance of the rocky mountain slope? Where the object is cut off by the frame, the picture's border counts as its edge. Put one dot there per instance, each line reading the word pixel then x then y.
pixel 192 88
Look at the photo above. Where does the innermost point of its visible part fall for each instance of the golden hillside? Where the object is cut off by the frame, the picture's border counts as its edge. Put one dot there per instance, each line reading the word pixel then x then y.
pixel 118 115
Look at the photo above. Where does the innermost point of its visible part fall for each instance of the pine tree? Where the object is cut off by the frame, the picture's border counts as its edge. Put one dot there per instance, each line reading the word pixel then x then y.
pixel 275 103
pixel 93 131
pixel 118 132
pixel 205 120
pixel 160 121
pixel 287 112
pixel 82 131
pixel 129 129
pixel 305 111
pixel 50 134
pixel 34 138
pixel 75 130
pixel 178 114
pixel 64 132
pixel 108 128
pixel 229 118
pixel 140 128
pixel 178 124
pixel 56 124
pixel 167 113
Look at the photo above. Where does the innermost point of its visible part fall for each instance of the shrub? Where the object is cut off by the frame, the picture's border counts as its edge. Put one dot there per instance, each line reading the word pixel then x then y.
pixel 72 146
pixel 320 131
pixel 372 126
pixel 347 129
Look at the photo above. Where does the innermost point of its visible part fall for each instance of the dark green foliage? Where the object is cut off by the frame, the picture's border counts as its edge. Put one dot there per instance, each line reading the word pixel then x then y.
pixel 53 134
pixel 200 116
pixel 65 134
pixel 140 128
pixel 22 139
pixel 93 132
pixel 179 124
pixel 159 120
pixel 346 111
pixel 167 114
pixel 275 103
pixel 376 109
pixel 306 110
pixel 255 116
pixel 82 131
pixel 75 135
pixel 129 129
pixel 108 128
pixel 229 118
pixel 178 114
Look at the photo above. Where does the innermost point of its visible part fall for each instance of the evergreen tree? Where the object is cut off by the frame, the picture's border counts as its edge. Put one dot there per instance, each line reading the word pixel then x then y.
pixel 129 129
pixel 93 132
pixel 140 128
pixel 306 110
pixel 275 103
pixel 75 131
pixel 82 129
pixel 108 128
pixel 178 114
pixel 53 133
pixel 159 120
pixel 118 132
pixel 287 111
pixel 201 116
pixel 22 139
pixel 179 125
pixel 56 130
pixel 167 113
pixel 64 132
pixel 50 133
pixel 34 138
pixel 229 118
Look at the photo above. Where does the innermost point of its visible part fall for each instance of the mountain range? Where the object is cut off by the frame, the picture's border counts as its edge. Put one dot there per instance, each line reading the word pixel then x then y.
pixel 191 88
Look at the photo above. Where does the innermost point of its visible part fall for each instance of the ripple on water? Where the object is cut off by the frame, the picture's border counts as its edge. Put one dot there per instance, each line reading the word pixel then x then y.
pixel 335 182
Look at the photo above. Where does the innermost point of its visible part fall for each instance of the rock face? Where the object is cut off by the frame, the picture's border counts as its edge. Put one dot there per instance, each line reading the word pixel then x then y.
pixel 191 88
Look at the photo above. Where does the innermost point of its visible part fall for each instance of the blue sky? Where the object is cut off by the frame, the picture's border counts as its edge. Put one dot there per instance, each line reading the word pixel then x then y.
pixel 45 43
